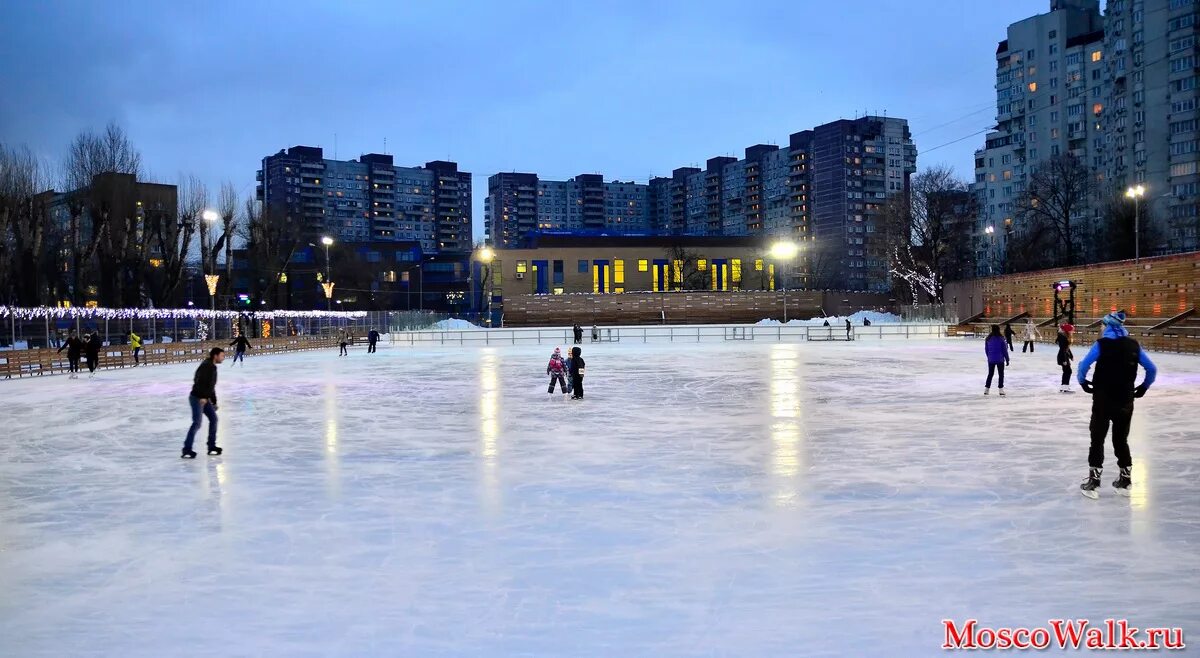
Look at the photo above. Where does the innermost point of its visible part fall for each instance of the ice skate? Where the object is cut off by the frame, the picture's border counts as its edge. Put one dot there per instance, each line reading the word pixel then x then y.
pixel 214 450
pixel 1123 482
pixel 188 454
pixel 987 391
pixel 1001 392
pixel 1091 484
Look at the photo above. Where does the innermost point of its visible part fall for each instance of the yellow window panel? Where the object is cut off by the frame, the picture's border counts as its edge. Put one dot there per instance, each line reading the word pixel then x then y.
pixel 758 265
pixel 701 264
pixel 643 265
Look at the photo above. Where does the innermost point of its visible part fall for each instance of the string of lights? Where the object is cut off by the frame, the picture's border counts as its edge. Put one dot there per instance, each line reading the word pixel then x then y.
pixel 85 313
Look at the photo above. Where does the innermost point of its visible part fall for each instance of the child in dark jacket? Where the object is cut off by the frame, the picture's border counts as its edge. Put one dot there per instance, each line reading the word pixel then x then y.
pixel 577 365
pixel 1064 356
pixel 996 350
pixel 557 369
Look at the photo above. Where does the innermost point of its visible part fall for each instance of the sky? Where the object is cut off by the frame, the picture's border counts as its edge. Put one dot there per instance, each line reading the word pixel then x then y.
pixel 627 89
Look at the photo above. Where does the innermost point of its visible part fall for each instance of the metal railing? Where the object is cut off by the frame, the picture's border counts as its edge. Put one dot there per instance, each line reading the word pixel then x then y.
pixel 668 333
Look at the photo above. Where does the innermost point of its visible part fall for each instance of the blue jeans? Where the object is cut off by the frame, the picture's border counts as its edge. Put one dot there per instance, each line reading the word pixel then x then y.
pixel 239 355
pixel 209 411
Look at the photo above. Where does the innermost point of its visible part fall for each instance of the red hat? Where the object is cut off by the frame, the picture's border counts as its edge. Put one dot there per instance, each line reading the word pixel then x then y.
pixel 1068 327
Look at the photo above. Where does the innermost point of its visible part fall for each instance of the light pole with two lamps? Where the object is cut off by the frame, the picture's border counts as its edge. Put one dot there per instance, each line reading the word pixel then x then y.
pixel 991 233
pixel 211 278
pixel 784 250
pixel 327 285
pixel 1136 192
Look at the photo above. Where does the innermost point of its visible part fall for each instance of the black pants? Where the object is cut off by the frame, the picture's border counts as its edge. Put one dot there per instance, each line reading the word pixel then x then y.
pixel 92 364
pixel 1010 345
pixel 577 385
pixel 371 347
pixel 560 380
pixel 1120 416
pixel 578 338
pixel 1029 344
pixel 1066 378
pixel 72 363
pixel 136 352
pixel 343 351
pixel 992 368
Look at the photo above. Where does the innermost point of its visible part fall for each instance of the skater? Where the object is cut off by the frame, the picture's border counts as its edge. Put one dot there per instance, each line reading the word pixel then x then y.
pixel 567 366
pixel 343 341
pixel 240 345
pixel 1117 357
pixel 595 333
pixel 827 323
pixel 91 350
pixel 997 356
pixel 849 328
pixel 866 322
pixel 578 331
pixel 1029 335
pixel 556 369
pixel 1065 356
pixel 203 400
pixel 74 348
pixel 1008 334
pixel 577 365
pixel 135 342
pixel 372 338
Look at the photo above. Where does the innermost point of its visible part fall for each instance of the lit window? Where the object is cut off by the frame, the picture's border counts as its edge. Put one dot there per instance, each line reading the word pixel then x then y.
pixel 677 273
pixel 1096 56
pixel 758 265
pixel 521 267
pixel 643 265
pixel 1033 86
pixel 558 291
pixel 701 264
pixel 618 290
pixel 619 271
pixel 736 267
pixel 1097 108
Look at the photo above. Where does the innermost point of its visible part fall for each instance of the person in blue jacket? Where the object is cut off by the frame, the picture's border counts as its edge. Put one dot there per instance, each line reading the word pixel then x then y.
pixel 997 357
pixel 1116 357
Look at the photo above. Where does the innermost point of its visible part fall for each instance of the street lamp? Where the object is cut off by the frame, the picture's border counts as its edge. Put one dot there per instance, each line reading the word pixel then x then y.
pixel 785 250
pixel 327 241
pixel 485 255
pixel 211 280
pixel 991 232
pixel 1136 192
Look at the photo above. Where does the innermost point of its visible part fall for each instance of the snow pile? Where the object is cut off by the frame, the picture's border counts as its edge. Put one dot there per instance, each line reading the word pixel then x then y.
pixel 856 319
pixel 453 324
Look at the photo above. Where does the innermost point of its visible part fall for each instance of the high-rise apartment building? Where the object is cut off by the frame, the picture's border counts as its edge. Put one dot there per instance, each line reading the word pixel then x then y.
pixel 1152 117
pixel 519 204
pixel 1050 96
pixel 369 199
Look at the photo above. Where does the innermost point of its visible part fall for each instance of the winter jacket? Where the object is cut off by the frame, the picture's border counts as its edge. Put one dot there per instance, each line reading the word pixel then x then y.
pixel 1008 332
pixel 92 348
pixel 1064 349
pixel 204 384
pixel 241 343
pixel 373 336
pixel 996 349
pixel 577 365
pixel 1117 357
pixel 556 366
pixel 135 341
pixel 73 346
pixel 1030 332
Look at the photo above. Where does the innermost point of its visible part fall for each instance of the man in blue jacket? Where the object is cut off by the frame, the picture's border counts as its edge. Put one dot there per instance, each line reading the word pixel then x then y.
pixel 1117 357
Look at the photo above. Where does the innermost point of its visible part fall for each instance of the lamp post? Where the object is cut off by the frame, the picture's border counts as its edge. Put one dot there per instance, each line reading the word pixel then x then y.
pixel 1136 192
pixel 212 278
pixel 991 233
pixel 785 250
pixel 327 241
pixel 485 256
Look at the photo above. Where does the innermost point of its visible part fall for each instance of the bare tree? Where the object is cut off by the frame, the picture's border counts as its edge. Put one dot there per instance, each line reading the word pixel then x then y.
pixel 928 232
pixel 227 207
pixel 1057 194
pixel 170 232
pixel 684 265
pixel 25 227
pixel 271 241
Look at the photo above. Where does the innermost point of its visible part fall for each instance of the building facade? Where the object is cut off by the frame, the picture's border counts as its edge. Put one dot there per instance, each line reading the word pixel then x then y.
pixel 825 190
pixel 369 199
pixel 1152 117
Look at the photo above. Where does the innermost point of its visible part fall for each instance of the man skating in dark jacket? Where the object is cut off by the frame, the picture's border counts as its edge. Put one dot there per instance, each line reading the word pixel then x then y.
pixel 577 365
pixel 1117 357
pixel 203 399
pixel 578 332
pixel 372 338
pixel 91 349
pixel 74 348
pixel 239 352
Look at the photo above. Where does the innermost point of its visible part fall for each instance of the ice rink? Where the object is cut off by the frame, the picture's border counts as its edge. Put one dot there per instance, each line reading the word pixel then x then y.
pixel 731 499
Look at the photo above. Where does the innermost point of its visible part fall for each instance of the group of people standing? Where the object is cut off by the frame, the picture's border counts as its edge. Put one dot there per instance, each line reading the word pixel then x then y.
pixel 559 369
pixel 77 348
pixel 1113 387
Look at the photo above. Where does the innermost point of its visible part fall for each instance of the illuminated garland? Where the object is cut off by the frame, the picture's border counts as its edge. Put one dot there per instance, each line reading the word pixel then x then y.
pixel 83 313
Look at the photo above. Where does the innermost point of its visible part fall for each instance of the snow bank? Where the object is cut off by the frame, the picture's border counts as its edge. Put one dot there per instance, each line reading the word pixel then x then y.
pixel 856 319
pixel 453 324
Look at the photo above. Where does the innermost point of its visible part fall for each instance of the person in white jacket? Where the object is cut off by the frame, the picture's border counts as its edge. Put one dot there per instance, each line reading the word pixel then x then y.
pixel 1029 335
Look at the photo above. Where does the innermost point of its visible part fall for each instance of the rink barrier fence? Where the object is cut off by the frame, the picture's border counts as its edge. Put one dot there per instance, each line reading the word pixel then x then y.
pixel 1180 340
pixel 43 361
pixel 667 333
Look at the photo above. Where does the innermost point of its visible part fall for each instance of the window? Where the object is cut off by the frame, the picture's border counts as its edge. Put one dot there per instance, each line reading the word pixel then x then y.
pixel 758 265
pixel 497 277
pixel 1008 174
pixel 1181 22
pixel 1033 86
pixel 1053 34
pixel 1184 84
pixel 583 267
pixel 618 290
pixel 558 291
pixel 1054 116
pixel 1182 44
pixel 619 273
pixel 643 265
pixel 1054 83
pixel 1097 108
pixel 1183 169
pixel 1053 66
pixel 1096 55
pixel 522 267
pixel 1182 63
pixel 677 271
pixel 1053 48
pixel 701 264
pixel 1054 133
pixel 736 270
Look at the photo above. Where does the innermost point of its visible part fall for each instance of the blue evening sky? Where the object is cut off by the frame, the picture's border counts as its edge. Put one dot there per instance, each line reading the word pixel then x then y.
pixel 627 89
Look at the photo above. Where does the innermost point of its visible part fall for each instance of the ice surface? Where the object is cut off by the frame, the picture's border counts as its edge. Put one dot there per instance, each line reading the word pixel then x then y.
pixel 737 499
